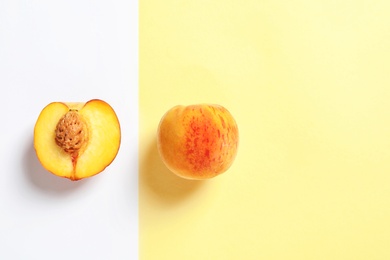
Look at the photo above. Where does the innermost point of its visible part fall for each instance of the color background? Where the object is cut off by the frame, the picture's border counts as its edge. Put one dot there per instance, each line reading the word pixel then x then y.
pixel 308 84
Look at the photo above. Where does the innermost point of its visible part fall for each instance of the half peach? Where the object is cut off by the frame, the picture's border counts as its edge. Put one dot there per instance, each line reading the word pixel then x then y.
pixel 77 140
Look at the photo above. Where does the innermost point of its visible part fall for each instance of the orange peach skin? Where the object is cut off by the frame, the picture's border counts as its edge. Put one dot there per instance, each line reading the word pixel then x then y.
pixel 198 141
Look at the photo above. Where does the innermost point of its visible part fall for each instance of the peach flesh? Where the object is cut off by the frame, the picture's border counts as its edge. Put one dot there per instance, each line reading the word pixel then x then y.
pixel 77 140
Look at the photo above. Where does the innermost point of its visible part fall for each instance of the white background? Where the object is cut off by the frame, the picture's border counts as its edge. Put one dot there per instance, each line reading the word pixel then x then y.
pixel 67 50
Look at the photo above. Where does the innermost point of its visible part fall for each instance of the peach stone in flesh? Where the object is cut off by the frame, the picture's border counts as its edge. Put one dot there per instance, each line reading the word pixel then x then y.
pixel 77 140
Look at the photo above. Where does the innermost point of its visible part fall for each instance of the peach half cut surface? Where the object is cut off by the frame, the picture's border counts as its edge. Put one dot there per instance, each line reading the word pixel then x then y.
pixel 197 141
pixel 77 140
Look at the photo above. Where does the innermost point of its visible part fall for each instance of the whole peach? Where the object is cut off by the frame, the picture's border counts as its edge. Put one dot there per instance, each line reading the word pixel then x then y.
pixel 198 141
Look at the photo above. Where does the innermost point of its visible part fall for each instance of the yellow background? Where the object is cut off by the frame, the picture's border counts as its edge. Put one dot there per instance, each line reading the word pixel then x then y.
pixel 308 83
